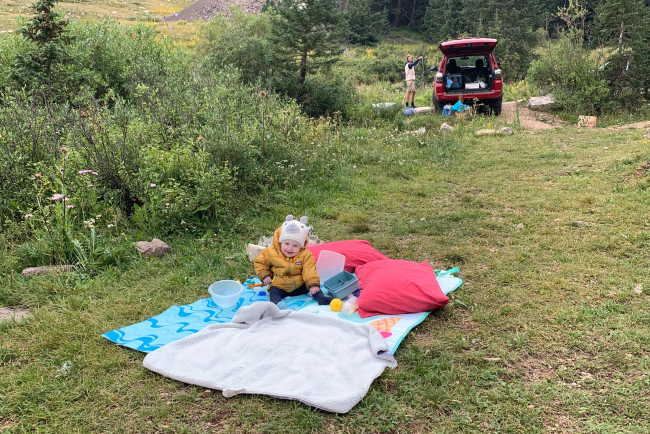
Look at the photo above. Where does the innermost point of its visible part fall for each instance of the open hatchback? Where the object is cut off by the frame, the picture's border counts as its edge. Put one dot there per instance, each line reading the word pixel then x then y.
pixel 470 73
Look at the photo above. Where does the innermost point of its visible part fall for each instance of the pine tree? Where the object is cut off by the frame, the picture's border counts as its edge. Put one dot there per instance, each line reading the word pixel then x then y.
pixel 616 19
pixel 48 34
pixel 307 35
pixel 365 26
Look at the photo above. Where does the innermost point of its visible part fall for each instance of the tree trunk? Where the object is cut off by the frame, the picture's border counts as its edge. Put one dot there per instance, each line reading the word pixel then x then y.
pixel 303 67
pixel 620 38
pixel 415 3
pixel 398 14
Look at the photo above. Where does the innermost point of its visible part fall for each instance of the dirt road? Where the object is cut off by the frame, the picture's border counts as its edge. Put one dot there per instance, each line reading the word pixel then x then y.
pixel 529 119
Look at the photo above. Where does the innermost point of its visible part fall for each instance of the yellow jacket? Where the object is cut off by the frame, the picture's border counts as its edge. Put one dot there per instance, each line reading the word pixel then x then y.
pixel 289 274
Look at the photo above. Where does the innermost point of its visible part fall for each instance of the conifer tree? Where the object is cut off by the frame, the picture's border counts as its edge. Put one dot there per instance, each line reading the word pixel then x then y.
pixel 47 31
pixel 307 35
pixel 365 25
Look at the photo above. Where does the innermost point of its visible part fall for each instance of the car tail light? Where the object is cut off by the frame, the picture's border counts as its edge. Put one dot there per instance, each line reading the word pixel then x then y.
pixel 497 73
pixel 439 76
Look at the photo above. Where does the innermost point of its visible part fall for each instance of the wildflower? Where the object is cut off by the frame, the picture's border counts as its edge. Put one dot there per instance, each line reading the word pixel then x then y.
pixel 83 172
pixel 110 226
pixel 98 216
pixel 66 199
pixel 152 185
pixel 95 173
pixel 28 216
pixel 70 206
pixel 90 186
pixel 64 149
pixel 122 234
pixel 354 166
pixel 263 94
pixel 57 197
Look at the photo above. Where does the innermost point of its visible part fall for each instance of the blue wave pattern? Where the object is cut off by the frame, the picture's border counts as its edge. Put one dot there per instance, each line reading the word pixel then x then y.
pixel 178 322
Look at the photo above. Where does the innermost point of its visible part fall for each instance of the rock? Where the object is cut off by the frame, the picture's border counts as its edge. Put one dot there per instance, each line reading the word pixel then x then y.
pixel 421 131
pixel 254 251
pixel 7 313
pixel 155 248
pixel 486 132
pixel 546 102
pixel 506 130
pixel 446 128
pixel 638 289
pixel 46 269
pixel 520 226
pixel 423 219
pixel 646 136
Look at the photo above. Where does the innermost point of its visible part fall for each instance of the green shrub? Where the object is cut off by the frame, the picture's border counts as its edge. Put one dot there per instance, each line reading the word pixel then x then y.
pixel 572 73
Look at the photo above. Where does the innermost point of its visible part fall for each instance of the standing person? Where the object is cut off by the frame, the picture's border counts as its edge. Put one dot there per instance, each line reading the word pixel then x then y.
pixel 409 71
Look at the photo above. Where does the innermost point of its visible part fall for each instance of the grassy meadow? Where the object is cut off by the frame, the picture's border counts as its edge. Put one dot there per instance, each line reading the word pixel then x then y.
pixel 549 332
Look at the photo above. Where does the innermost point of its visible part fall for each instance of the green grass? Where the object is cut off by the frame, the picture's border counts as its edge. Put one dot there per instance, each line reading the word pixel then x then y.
pixel 546 334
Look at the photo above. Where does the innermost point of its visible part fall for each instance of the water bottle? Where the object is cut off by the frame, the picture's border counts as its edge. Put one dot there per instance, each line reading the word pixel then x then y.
pixel 351 305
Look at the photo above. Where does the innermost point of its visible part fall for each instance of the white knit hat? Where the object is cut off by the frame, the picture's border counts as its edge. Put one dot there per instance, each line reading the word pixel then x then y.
pixel 294 230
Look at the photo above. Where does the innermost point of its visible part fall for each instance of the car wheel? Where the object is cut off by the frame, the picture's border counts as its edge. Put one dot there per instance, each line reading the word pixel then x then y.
pixel 439 106
pixel 496 106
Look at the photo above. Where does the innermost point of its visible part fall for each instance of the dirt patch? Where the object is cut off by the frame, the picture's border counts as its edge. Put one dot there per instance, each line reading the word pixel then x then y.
pixel 7 313
pixel 535 370
pixel 529 119
pixel 637 125
pixel 207 9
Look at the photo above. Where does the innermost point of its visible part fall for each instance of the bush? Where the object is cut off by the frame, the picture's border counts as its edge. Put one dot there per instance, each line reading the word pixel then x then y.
pixel 572 74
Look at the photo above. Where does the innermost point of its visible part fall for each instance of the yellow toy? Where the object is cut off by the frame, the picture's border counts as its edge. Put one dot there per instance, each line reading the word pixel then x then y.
pixel 336 305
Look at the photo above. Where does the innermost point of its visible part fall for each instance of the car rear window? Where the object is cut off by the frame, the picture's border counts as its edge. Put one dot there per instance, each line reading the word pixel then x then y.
pixel 470 61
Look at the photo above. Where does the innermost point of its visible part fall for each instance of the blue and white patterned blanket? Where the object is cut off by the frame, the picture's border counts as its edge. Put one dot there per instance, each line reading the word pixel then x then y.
pixel 178 322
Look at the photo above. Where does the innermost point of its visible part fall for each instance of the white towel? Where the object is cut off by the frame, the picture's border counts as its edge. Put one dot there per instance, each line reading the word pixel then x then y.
pixel 324 362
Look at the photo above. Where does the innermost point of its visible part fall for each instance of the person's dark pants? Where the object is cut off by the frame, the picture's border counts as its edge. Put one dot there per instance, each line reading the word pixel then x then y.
pixel 277 295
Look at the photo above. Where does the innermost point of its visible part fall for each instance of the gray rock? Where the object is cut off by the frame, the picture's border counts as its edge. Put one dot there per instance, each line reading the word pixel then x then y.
pixel 7 313
pixel 546 102
pixel 155 248
pixel 506 130
pixel 46 269
pixel 446 128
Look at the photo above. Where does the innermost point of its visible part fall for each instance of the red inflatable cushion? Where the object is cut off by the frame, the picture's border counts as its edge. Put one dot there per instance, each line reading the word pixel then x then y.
pixel 357 252
pixel 391 287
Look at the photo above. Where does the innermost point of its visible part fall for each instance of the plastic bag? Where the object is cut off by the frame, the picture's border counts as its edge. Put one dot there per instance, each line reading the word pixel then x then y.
pixel 449 83
pixel 459 107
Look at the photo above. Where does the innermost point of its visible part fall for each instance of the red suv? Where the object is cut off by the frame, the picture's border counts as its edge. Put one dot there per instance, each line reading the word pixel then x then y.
pixel 468 70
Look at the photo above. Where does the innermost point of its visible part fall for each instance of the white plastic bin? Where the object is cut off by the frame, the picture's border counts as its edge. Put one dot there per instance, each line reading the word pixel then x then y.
pixel 329 264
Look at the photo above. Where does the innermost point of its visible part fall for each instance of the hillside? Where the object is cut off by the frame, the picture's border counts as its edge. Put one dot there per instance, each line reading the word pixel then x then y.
pixel 135 10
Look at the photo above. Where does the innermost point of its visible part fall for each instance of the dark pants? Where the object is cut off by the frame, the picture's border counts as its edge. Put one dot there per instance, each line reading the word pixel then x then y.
pixel 277 294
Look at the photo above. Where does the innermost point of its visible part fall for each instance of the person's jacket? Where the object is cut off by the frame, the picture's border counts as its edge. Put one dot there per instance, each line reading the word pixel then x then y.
pixel 288 274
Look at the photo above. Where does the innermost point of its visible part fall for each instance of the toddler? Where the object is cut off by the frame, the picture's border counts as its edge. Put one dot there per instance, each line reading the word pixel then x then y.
pixel 287 266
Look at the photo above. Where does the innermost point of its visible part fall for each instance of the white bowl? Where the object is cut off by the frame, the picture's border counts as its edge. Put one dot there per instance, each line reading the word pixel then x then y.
pixel 225 293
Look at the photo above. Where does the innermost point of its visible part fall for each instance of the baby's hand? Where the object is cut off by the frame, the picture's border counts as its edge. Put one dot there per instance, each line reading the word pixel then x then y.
pixel 313 290
pixel 268 280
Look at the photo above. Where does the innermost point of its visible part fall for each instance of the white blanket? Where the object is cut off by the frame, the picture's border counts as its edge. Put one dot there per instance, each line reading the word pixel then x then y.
pixel 324 362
